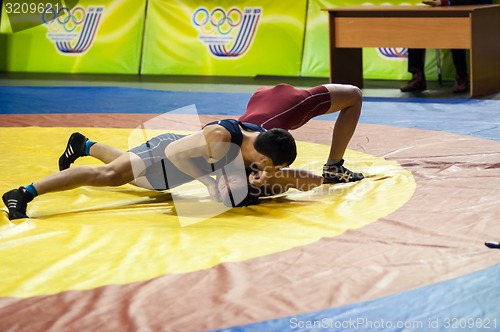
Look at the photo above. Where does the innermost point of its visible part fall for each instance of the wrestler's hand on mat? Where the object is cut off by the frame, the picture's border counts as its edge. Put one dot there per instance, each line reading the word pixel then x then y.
pixel 236 191
pixel 259 178
pixel 211 185
pixel 231 183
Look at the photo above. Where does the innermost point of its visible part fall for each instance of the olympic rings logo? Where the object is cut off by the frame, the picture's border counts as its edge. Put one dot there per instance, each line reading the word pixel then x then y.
pixel 217 20
pixel 393 52
pixel 64 18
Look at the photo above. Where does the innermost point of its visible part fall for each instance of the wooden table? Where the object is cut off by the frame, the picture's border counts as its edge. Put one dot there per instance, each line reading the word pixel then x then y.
pixel 476 28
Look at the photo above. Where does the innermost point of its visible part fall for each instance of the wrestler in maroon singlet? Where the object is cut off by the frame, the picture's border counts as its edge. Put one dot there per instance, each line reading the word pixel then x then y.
pixel 286 107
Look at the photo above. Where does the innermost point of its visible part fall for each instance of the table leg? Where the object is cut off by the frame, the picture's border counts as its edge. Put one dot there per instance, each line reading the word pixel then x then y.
pixel 485 52
pixel 346 66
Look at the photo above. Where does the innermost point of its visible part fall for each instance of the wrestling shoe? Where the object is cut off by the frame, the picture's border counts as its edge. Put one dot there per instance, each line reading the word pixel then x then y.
pixel 492 244
pixel 339 174
pixel 74 149
pixel 16 201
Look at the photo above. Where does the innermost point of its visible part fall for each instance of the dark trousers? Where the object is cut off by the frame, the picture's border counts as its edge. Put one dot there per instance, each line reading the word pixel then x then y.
pixel 416 60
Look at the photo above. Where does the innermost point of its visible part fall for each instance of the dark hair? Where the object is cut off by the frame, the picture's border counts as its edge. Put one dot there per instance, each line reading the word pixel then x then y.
pixel 277 144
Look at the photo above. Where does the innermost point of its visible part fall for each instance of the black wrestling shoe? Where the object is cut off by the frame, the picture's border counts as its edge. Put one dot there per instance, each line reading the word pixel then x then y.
pixel 74 149
pixel 492 244
pixel 339 174
pixel 16 201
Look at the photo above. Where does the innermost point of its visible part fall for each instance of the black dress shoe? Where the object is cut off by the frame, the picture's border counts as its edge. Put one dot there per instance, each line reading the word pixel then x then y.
pixel 461 84
pixel 416 84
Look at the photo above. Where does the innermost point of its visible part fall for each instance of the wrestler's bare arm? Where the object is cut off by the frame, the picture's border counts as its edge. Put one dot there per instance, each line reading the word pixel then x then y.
pixel 289 178
pixel 211 144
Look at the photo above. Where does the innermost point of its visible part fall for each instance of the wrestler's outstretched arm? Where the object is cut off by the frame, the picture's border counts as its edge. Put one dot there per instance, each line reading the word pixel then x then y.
pixel 232 186
pixel 289 178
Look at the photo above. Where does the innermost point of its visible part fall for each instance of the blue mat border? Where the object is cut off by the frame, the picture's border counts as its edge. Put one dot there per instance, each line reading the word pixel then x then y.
pixel 21 99
pixel 466 303
pixel 473 117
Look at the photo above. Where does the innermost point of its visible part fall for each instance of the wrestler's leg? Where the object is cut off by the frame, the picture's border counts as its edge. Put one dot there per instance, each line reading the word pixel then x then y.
pixel 79 146
pixel 105 153
pixel 347 99
pixel 142 182
pixel 116 173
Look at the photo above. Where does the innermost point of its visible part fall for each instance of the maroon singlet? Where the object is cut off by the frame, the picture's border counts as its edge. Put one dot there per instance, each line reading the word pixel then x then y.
pixel 286 107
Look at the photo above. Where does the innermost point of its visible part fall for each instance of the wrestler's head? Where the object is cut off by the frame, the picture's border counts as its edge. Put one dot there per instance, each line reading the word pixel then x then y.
pixel 278 145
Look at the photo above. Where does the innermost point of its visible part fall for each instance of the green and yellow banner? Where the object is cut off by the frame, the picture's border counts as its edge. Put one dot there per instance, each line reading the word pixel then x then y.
pixel 224 37
pixel 188 37
pixel 90 36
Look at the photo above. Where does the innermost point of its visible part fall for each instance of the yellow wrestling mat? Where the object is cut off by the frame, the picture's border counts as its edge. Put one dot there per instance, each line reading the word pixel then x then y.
pixel 89 237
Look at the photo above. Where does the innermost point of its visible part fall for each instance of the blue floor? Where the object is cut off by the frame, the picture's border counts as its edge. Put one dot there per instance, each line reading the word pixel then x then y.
pixel 479 118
